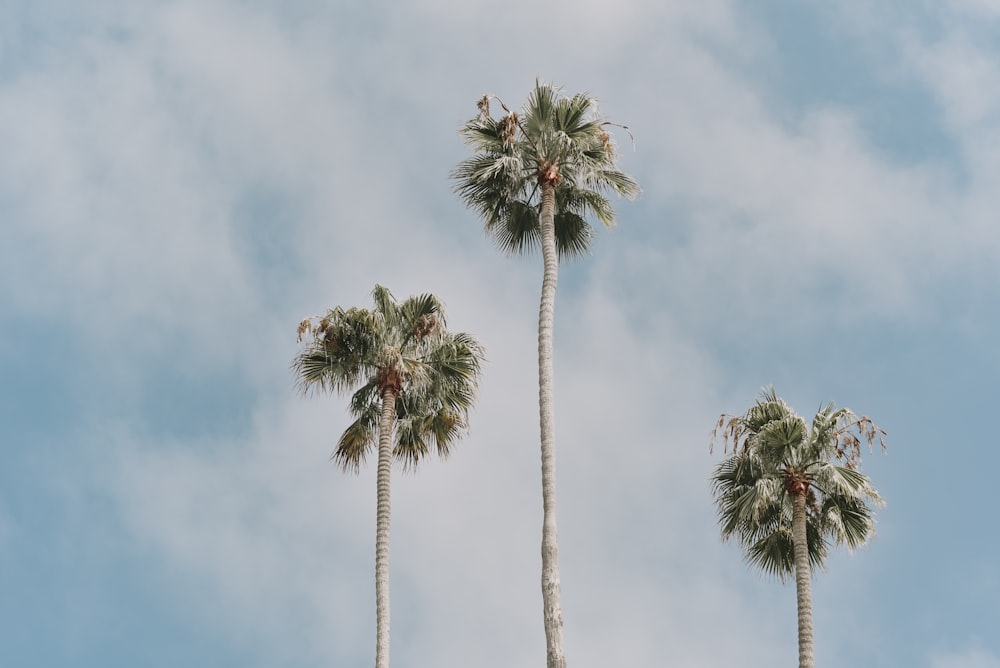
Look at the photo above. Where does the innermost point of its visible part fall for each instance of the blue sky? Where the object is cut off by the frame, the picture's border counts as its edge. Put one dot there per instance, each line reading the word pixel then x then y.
pixel 181 182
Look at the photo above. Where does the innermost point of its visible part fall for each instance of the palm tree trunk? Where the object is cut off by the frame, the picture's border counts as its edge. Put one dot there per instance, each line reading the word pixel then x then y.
pixel 803 584
pixel 551 608
pixel 382 529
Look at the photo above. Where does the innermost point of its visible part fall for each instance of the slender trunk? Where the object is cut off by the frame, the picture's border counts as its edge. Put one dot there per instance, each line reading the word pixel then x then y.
pixel 382 529
pixel 551 608
pixel 803 584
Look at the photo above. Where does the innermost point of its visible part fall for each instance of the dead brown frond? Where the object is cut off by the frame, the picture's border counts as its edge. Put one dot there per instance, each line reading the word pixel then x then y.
pixel 606 142
pixel 622 127
pixel 848 440
pixel 484 106
pixel 305 327
pixel 730 429
pixel 427 325
pixel 871 431
pixel 508 129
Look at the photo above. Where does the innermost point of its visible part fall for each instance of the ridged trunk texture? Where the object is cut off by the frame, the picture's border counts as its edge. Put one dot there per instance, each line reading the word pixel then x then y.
pixel 803 583
pixel 382 528
pixel 551 607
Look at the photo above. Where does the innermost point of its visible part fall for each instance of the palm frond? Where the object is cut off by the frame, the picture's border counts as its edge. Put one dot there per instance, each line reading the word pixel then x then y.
pixel 571 115
pixel 614 180
pixel 843 480
pixel 573 235
pixel 318 368
pixel 744 493
pixel 579 201
pixel 421 316
pixel 774 553
pixel 366 398
pixel 779 441
pixel 357 441
pixel 387 310
pixel 424 428
pixel 411 442
pixel 538 112
pixel 847 520
pixel 517 232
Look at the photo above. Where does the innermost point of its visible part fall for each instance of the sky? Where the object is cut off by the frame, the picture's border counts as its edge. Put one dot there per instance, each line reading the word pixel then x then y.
pixel 181 182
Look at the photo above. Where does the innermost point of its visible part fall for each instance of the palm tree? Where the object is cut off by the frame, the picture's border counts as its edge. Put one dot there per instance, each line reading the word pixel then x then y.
pixel 790 489
pixel 533 179
pixel 413 383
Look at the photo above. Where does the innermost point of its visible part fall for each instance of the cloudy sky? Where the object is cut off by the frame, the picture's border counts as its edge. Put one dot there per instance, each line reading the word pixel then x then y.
pixel 182 181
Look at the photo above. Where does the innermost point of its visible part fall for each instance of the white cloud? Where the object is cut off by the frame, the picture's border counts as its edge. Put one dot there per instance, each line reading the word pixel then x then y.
pixel 790 214
pixel 129 162
pixel 964 76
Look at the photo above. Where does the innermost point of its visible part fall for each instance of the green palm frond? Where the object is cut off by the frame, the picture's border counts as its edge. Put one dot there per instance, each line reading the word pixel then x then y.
pixel 833 479
pixel 539 109
pixel 847 520
pixel 744 493
pixel 483 135
pixel 437 416
pixel 422 427
pixel 780 441
pixel 615 181
pixel 570 116
pixel 774 553
pixel 488 177
pixel 339 354
pixel 573 234
pixel 367 396
pixel 583 203
pixel 421 317
pixel 768 408
pixel 387 310
pixel 411 436
pixel 357 441
pixel 517 231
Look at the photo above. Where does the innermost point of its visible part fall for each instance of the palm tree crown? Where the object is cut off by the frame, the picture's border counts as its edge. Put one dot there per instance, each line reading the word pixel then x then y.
pixel 557 141
pixel 405 348
pixel 776 457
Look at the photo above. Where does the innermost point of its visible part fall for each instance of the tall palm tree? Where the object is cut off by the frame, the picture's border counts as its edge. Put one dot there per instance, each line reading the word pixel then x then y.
pixel 413 383
pixel 533 178
pixel 789 490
